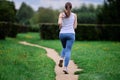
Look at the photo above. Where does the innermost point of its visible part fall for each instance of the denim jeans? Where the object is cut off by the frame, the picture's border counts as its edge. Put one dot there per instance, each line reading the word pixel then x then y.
pixel 67 40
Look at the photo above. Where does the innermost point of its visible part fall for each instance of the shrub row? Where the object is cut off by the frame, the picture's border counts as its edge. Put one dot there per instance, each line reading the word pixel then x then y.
pixel 4 30
pixel 109 32
pixel 11 29
pixel 84 32
pixel 49 31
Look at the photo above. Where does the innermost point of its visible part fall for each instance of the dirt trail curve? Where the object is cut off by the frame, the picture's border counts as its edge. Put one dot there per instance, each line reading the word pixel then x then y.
pixel 59 71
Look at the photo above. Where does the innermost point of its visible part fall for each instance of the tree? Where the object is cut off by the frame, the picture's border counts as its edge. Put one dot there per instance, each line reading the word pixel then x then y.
pixel 7 11
pixel 86 14
pixel 24 14
pixel 110 13
pixel 44 15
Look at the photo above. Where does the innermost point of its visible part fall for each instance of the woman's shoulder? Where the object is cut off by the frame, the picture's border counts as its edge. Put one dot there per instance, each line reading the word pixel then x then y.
pixel 74 13
pixel 62 14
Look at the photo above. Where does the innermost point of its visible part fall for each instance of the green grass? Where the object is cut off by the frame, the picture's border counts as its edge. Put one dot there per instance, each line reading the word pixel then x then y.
pixel 35 38
pixel 20 62
pixel 99 59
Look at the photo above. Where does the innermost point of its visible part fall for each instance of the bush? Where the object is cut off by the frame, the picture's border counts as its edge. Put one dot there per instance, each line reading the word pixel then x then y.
pixel 34 28
pixel 84 32
pixel 8 29
pixel 87 32
pixel 7 11
pixel 110 32
pixel 49 31
pixel 13 31
pixel 23 28
pixel 4 30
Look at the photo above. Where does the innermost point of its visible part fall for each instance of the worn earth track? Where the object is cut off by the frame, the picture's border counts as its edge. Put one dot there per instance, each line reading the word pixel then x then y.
pixel 59 71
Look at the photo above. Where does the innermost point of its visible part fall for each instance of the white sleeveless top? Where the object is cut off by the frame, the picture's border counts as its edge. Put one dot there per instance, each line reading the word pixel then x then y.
pixel 68 24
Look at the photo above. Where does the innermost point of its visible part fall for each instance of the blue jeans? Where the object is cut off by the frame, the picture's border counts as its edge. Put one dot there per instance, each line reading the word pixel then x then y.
pixel 67 40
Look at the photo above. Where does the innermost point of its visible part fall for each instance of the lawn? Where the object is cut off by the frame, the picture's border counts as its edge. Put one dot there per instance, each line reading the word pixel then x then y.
pixel 20 62
pixel 99 59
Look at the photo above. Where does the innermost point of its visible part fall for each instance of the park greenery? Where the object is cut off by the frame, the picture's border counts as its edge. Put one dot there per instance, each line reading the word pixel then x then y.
pixel 7 11
pixel 96 50
pixel 110 12
pixel 98 59
pixel 20 62
pixel 86 13
pixel 24 14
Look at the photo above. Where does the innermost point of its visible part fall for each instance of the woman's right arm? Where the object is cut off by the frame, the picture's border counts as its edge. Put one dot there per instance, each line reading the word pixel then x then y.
pixel 75 22
pixel 60 20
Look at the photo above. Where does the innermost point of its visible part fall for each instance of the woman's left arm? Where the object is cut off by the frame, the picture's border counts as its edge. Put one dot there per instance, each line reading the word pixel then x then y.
pixel 60 20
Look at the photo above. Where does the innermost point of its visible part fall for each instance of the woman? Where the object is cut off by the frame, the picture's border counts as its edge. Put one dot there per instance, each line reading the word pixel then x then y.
pixel 67 22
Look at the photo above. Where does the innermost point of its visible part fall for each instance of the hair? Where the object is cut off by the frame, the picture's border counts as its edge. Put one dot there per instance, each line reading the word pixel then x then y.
pixel 68 7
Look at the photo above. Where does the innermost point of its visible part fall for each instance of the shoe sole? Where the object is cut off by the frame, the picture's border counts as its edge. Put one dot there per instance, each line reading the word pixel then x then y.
pixel 65 72
pixel 60 63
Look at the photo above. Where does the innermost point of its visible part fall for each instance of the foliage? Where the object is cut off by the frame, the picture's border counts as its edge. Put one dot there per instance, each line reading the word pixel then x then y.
pixel 84 32
pixel 34 28
pixel 44 15
pixel 87 32
pixel 4 30
pixel 87 14
pixel 110 12
pixel 85 17
pixel 8 29
pixel 14 28
pixel 23 28
pixel 7 11
pixel 49 31
pixel 24 14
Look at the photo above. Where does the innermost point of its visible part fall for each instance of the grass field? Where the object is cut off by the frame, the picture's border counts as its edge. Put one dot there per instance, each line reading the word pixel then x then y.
pixel 19 62
pixel 99 59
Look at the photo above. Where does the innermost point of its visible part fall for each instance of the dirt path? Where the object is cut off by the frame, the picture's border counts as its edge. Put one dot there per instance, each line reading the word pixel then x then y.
pixel 59 71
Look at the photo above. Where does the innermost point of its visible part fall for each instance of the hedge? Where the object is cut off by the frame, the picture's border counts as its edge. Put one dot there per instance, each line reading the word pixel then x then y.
pixel 109 32
pixel 4 29
pixel 87 32
pixel 84 32
pixel 23 28
pixel 11 29
pixel 49 31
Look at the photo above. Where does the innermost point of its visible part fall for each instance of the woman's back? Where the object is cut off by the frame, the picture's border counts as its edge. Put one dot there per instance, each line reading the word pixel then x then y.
pixel 68 24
